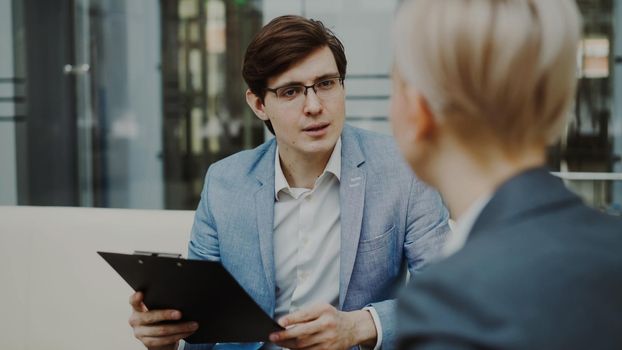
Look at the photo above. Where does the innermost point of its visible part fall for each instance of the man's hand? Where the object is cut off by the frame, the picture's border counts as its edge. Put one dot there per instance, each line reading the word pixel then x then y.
pixel 157 336
pixel 324 327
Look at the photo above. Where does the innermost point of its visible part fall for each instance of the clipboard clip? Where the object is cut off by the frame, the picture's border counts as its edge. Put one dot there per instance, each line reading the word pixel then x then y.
pixel 157 254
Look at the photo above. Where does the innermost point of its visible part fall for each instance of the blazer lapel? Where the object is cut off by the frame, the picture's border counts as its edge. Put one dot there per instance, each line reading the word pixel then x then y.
pixel 352 201
pixel 264 210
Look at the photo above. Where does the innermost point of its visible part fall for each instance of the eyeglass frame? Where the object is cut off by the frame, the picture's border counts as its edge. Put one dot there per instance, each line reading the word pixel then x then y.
pixel 306 87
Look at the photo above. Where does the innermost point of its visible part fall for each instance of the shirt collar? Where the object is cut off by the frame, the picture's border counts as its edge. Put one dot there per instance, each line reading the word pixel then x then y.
pixel 462 228
pixel 333 167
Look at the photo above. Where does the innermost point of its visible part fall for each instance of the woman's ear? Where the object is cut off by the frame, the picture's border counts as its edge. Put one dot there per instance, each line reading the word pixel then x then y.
pixel 425 124
pixel 256 104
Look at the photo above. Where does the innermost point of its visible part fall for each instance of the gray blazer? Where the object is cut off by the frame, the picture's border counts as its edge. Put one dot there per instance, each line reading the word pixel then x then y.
pixel 540 270
pixel 389 219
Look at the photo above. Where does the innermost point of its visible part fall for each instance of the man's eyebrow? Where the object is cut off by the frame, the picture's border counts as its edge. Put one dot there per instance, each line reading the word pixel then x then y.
pixel 320 78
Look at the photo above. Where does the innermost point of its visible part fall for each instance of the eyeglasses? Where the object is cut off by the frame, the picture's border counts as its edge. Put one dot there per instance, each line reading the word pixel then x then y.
pixel 324 90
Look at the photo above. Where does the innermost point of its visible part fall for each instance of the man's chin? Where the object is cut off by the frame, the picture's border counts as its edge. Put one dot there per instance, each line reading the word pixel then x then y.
pixel 320 146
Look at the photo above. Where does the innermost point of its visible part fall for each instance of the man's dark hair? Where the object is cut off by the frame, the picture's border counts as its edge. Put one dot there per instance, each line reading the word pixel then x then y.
pixel 284 41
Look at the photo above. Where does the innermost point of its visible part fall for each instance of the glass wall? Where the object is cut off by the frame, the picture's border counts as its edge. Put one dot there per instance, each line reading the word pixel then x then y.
pixel 205 113
pixel 125 103
pixel 8 100
pixel 118 103
pixel 589 154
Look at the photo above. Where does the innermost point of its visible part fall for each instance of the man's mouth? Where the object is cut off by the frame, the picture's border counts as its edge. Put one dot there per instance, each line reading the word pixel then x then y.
pixel 316 127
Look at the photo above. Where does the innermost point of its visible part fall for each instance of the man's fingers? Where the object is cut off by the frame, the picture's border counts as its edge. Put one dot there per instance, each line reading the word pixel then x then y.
pixel 315 340
pixel 150 333
pixel 300 330
pixel 162 341
pixel 298 343
pixel 155 316
pixel 304 315
pixel 166 330
pixel 136 301
pixel 161 315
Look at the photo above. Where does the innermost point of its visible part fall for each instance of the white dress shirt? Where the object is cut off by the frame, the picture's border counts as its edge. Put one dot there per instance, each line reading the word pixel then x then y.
pixel 457 237
pixel 307 241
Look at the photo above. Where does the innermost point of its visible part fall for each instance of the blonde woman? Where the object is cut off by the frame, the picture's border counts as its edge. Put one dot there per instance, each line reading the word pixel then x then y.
pixel 481 87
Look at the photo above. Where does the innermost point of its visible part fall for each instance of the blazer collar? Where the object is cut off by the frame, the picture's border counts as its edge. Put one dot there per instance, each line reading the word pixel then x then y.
pixel 533 192
pixel 263 170
pixel 351 150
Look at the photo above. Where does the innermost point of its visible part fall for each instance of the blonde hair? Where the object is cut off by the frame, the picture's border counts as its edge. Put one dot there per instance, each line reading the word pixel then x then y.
pixel 505 66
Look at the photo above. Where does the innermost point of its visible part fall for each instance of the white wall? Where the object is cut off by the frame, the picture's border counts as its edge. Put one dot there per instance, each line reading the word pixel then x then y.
pixel 8 177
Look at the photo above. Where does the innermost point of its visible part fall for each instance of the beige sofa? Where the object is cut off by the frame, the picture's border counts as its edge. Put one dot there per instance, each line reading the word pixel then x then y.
pixel 56 292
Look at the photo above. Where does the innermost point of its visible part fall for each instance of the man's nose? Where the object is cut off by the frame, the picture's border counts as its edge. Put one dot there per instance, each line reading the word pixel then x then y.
pixel 312 104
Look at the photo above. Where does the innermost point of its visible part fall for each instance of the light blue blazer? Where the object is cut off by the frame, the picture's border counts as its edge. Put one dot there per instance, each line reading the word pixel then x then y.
pixel 390 221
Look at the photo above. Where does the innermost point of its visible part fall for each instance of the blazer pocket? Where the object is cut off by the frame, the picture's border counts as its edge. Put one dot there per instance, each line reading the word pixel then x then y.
pixel 376 242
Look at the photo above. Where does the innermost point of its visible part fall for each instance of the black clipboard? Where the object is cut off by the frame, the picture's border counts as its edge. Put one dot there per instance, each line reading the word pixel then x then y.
pixel 202 290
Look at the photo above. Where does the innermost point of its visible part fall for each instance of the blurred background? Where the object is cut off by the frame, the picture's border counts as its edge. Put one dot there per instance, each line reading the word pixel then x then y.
pixel 125 103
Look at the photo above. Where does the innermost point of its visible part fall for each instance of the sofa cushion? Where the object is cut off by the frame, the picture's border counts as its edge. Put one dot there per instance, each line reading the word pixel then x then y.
pixel 57 293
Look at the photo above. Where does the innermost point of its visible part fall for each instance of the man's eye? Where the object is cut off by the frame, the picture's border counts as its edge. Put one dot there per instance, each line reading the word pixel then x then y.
pixel 289 92
pixel 326 84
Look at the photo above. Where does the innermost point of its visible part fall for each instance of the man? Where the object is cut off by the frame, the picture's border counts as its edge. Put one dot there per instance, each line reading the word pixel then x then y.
pixel 481 87
pixel 319 223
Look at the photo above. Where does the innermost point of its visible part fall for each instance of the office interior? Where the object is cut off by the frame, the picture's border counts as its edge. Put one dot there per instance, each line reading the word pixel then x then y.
pixel 125 104
pixel 111 111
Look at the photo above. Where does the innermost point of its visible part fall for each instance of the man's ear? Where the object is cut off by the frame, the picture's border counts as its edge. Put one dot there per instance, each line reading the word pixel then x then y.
pixel 425 124
pixel 256 105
